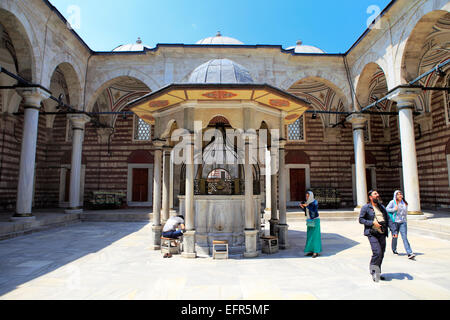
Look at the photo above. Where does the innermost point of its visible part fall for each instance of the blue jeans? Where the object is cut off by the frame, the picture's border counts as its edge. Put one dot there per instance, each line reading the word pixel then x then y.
pixel 402 229
pixel 172 234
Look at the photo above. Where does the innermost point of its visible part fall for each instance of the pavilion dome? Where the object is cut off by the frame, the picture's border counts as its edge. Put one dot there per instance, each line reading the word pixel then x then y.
pixel 220 71
pixel 301 48
pixel 219 39
pixel 138 46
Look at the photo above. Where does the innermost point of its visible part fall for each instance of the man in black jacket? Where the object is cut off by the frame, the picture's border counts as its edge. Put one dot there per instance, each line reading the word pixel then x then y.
pixel 376 221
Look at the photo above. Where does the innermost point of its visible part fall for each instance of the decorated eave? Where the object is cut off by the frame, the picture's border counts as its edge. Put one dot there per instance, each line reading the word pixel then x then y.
pixel 172 95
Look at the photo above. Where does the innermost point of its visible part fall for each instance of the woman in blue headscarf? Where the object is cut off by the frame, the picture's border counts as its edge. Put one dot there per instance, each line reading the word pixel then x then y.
pixel 313 238
pixel 398 211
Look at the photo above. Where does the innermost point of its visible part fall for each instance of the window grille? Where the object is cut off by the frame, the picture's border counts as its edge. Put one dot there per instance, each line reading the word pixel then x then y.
pixel 142 130
pixel 296 131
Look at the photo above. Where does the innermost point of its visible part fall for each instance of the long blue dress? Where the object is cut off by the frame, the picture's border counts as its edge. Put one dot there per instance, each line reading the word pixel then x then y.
pixel 313 237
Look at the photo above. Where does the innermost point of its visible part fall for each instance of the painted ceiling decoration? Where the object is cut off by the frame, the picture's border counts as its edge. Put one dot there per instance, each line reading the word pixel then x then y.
pixel 434 52
pixel 263 94
pixel 322 97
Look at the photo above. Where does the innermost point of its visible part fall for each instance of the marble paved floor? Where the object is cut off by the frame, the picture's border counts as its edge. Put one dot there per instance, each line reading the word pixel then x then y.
pixel 100 260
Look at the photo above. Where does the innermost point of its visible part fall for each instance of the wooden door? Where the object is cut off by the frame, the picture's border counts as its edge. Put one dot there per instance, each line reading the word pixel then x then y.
pixel 369 179
pixel 140 185
pixel 298 184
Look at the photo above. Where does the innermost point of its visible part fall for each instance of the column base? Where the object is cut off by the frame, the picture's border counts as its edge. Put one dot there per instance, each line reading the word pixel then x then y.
pixel 156 238
pixel 74 210
pixel 283 236
pixel 250 243
pixel 23 217
pixel 189 245
pixel 415 213
pixel 273 227
pixel 358 209
pixel 173 213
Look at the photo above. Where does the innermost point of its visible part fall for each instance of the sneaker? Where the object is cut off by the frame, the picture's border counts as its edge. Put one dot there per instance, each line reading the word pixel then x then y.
pixel 376 277
pixel 308 254
pixel 382 278
pixel 395 252
pixel 165 255
pixel 411 256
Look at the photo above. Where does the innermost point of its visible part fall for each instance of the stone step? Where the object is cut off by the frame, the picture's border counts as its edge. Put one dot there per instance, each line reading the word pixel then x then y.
pixel 111 216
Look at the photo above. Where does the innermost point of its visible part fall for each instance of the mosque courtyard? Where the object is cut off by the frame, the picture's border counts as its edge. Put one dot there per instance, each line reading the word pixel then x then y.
pixel 103 260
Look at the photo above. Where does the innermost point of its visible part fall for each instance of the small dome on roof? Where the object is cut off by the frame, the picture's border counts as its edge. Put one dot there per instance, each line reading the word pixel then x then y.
pixel 138 46
pixel 220 71
pixel 219 39
pixel 301 48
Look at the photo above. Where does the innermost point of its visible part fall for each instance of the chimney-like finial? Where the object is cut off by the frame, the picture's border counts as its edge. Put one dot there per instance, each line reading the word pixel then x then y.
pixel 139 41
pixel 299 42
pixel 218 34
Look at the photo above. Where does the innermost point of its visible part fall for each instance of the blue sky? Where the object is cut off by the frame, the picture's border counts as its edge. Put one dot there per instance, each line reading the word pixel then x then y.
pixel 331 25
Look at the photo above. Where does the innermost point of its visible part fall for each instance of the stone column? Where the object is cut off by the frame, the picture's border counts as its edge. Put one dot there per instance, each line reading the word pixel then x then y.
pixel 157 228
pixel 172 211
pixel 359 124
pixel 189 219
pixel 274 194
pixel 282 226
pixel 250 230
pixel 166 185
pixel 32 104
pixel 268 183
pixel 78 122
pixel 405 98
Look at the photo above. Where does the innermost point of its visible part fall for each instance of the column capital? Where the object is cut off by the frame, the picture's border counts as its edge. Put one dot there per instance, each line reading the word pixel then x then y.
pixel 405 97
pixel 357 120
pixel 33 96
pixel 78 121
pixel 104 134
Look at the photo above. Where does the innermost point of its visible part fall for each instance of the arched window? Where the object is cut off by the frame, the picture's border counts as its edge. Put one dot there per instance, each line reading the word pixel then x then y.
pixel 142 130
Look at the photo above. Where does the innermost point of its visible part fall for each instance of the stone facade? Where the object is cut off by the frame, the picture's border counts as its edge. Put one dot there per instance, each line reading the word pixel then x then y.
pixel 37 45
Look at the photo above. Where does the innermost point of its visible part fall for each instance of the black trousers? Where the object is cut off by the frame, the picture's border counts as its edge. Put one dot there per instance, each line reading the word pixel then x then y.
pixel 378 244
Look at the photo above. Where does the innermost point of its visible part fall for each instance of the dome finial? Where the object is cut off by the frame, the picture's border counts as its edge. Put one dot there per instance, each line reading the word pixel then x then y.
pixel 218 34
pixel 139 41
pixel 299 42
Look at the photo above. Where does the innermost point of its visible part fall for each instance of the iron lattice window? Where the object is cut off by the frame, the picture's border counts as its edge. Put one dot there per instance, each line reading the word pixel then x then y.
pixel 296 131
pixel 142 130
pixel 367 132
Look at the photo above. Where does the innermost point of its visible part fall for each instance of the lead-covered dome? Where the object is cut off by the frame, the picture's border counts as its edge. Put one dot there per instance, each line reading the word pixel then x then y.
pixel 219 39
pixel 138 46
pixel 301 48
pixel 220 71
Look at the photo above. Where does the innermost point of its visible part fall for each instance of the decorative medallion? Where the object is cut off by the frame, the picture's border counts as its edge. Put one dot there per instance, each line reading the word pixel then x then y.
pixel 292 117
pixel 159 103
pixel 219 95
pixel 279 103
pixel 147 117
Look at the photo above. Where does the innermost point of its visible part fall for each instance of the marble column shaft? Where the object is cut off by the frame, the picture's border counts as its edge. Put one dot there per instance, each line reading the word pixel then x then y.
pixel 406 99
pixel 32 101
pixel 78 122
pixel 360 163
pixel 166 185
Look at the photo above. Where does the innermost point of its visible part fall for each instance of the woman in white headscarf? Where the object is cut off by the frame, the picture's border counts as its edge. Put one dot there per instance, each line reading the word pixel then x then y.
pixel 313 239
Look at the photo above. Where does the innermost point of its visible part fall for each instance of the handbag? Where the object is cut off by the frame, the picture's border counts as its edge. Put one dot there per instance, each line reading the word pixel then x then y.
pixel 311 223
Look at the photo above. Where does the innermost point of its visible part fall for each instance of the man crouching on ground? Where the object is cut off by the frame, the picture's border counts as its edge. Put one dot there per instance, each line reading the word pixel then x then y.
pixel 170 229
